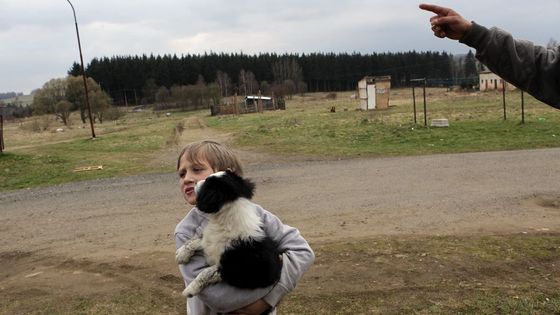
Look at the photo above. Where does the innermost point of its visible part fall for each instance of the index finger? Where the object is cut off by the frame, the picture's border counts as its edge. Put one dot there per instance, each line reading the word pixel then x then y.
pixel 435 9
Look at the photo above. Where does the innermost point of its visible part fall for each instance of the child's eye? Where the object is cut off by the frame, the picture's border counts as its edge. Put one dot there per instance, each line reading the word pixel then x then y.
pixel 182 174
pixel 198 169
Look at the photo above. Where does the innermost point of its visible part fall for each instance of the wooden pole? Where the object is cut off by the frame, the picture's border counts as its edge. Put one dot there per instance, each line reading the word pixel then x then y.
pixel 414 103
pixel 259 103
pixel 522 107
pixel 425 110
pixel 83 72
pixel 1 133
pixel 504 97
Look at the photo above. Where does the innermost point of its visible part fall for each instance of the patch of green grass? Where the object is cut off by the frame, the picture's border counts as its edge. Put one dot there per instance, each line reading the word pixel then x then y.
pixel 124 149
pixel 54 164
pixel 309 128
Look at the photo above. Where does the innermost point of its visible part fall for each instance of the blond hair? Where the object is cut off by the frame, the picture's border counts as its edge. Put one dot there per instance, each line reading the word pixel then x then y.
pixel 218 156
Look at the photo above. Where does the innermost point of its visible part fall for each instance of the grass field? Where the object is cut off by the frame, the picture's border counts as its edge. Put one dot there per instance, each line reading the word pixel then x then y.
pixel 476 124
pixel 308 127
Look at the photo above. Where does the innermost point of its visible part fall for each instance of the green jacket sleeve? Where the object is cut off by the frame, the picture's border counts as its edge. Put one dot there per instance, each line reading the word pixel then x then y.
pixel 530 67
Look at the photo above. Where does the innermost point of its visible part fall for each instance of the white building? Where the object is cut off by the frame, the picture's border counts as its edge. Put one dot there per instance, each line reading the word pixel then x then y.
pixel 489 81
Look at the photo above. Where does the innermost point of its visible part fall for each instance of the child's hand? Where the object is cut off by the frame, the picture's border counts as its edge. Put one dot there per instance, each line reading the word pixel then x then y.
pixel 256 308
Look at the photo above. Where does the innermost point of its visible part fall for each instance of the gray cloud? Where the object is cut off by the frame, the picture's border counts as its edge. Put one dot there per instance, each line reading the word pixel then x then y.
pixel 38 37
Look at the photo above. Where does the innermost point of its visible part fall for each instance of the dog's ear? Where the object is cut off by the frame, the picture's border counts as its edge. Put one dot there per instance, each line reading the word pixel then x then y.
pixel 246 187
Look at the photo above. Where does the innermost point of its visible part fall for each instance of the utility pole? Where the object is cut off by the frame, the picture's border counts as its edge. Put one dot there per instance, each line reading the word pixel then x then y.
pixel 83 72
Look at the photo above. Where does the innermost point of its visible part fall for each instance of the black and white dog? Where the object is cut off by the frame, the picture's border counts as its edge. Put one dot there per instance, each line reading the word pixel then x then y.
pixel 234 243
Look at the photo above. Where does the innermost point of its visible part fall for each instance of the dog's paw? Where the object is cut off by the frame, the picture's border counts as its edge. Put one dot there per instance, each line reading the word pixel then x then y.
pixel 191 291
pixel 182 255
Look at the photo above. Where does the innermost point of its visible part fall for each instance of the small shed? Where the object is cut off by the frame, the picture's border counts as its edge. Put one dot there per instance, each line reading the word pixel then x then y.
pixel 249 104
pixel 374 92
pixel 254 101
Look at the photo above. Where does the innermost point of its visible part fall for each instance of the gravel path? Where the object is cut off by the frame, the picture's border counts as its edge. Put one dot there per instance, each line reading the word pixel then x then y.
pixel 474 193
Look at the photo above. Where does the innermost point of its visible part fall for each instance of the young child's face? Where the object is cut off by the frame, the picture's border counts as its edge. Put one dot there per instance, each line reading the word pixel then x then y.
pixel 190 173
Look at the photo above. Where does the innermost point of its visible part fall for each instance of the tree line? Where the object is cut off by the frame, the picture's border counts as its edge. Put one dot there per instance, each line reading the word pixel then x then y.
pixel 141 77
pixel 202 81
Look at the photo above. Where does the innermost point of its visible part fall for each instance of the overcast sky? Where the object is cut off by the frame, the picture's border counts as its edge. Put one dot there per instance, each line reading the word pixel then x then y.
pixel 38 38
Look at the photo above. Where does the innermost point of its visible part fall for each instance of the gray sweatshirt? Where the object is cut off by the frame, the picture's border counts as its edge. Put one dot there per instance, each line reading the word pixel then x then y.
pixel 532 68
pixel 222 298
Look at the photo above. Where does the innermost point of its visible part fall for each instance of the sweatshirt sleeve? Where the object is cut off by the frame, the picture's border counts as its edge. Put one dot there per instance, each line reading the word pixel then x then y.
pixel 297 256
pixel 530 67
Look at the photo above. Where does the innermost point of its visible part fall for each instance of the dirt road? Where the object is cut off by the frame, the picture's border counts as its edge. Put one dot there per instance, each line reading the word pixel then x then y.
pixel 60 238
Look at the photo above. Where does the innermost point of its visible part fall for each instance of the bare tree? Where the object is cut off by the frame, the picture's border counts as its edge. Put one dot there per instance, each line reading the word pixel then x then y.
pixel 242 82
pixel 162 94
pixel 288 69
pixel 252 83
pixel 100 103
pixel 289 88
pixel 552 43
pixel 248 85
pixel 75 94
pixel 63 110
pixel 265 87
pixel 224 83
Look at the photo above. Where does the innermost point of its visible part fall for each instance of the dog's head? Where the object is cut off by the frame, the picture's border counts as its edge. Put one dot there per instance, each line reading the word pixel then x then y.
pixel 221 188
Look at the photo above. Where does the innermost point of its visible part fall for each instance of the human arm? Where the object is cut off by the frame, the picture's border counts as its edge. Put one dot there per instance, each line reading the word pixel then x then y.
pixel 530 67
pixel 297 256
pixel 218 297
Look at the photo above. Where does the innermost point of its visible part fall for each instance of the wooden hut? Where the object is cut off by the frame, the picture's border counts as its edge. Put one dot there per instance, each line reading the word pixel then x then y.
pixel 374 92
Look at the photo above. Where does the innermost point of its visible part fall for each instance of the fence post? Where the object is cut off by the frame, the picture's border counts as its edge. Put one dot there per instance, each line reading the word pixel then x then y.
pixel 522 107
pixel 1 133
pixel 425 82
pixel 504 97
pixel 425 111
pixel 414 103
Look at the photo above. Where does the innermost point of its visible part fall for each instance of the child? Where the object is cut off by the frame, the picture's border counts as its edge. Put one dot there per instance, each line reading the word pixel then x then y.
pixel 196 162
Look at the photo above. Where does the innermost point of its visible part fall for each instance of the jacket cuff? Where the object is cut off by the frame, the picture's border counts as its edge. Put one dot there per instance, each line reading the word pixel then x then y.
pixel 275 295
pixel 475 35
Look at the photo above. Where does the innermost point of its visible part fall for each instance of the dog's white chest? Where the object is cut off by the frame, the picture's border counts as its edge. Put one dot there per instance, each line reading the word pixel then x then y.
pixel 235 221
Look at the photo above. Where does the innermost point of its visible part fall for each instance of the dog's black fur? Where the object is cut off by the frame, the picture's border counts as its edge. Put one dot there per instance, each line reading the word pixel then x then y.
pixel 246 264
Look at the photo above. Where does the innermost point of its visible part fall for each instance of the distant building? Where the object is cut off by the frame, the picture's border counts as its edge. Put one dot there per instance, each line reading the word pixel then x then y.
pixel 373 92
pixel 489 81
pixel 252 101
pixel 250 104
